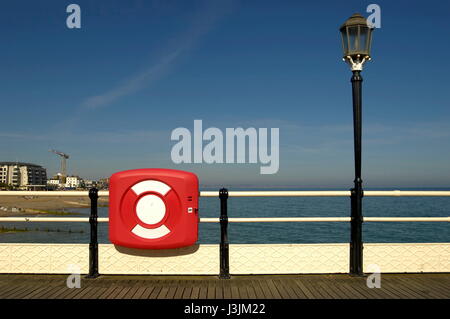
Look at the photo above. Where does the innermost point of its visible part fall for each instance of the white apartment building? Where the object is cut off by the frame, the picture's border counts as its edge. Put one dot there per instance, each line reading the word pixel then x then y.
pixel 22 174
pixel 73 181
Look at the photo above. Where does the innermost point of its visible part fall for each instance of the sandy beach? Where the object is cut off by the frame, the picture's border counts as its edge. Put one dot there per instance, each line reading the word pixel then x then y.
pixel 26 205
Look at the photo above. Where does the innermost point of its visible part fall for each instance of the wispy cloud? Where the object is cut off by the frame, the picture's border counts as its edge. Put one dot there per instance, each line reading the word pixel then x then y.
pixel 202 23
pixel 133 84
pixel 104 137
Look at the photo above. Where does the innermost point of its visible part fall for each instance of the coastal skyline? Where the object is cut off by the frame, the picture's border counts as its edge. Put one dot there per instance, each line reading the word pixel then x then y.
pixel 110 94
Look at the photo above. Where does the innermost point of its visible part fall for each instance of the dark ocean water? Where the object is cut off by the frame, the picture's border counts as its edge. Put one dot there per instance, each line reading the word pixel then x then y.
pixel 279 232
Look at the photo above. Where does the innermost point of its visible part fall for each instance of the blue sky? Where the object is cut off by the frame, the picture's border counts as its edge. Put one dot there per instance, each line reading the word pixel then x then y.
pixel 109 94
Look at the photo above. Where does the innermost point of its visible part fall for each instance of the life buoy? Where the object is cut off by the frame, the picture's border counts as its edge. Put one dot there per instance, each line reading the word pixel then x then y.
pixel 147 200
pixel 150 213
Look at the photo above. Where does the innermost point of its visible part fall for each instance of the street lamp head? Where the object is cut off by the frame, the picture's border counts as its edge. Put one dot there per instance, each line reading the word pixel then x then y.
pixel 356 41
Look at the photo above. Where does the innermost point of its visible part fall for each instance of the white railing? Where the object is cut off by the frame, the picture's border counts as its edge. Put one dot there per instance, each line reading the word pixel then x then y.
pixel 433 257
pixel 394 193
pixel 242 220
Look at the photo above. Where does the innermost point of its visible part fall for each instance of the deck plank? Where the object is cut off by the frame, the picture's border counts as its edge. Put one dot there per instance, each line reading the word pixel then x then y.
pixel 273 289
pixel 219 290
pixel 187 292
pixel 172 290
pixel 195 292
pixel 211 290
pixel 179 291
pixel 440 287
pixel 12 289
pixel 45 285
pixel 203 292
pixel 251 292
pixel 107 292
pixel 368 293
pixel 147 292
pixel 393 286
pixel 95 291
pixel 54 294
pixel 258 290
pixel 389 291
pixel 316 283
pixel 413 284
pixel 133 290
pixel 304 290
pixel 234 290
pixel 288 289
pixel 36 292
pixel 114 293
pixel 156 290
pixel 406 286
pixel 226 290
pixel 241 287
pixel 400 289
pixel 20 292
pixel 83 292
pixel 393 289
pixel 163 293
pixel 329 290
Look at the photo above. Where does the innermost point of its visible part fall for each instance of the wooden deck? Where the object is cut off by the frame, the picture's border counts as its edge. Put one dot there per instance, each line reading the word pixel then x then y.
pixel 393 286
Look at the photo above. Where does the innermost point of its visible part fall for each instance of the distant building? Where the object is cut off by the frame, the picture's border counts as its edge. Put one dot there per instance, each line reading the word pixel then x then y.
pixel 53 183
pixel 103 183
pixel 71 182
pixel 74 182
pixel 22 175
pixel 88 183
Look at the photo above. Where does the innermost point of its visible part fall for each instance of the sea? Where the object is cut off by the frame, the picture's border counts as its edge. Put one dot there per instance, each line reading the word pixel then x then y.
pixel 277 233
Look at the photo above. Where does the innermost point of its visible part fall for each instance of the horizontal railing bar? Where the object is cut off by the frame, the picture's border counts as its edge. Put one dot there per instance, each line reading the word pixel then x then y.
pixel 326 219
pixel 242 220
pixel 278 219
pixel 45 219
pixel 52 219
pixel 52 193
pixel 395 193
pixel 407 193
pixel 279 194
pixel 406 219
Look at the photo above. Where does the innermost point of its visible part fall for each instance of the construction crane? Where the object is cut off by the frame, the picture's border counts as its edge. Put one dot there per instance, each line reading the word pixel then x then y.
pixel 63 172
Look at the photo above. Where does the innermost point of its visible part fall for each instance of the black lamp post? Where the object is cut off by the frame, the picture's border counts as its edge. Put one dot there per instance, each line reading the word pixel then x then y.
pixel 356 42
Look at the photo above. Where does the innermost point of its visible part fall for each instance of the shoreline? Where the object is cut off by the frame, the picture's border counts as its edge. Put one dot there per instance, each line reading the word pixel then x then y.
pixel 25 205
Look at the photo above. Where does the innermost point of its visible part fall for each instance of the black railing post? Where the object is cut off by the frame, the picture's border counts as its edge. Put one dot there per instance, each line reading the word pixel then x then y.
pixel 356 244
pixel 93 244
pixel 224 246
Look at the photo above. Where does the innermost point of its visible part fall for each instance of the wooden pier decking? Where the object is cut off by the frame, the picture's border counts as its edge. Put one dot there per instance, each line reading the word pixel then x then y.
pixel 393 286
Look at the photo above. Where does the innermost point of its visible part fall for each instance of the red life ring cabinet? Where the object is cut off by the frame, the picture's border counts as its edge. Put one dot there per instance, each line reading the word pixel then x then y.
pixel 153 208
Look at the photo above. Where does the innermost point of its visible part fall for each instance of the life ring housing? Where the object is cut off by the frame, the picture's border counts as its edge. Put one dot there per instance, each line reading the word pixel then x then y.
pixel 153 208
